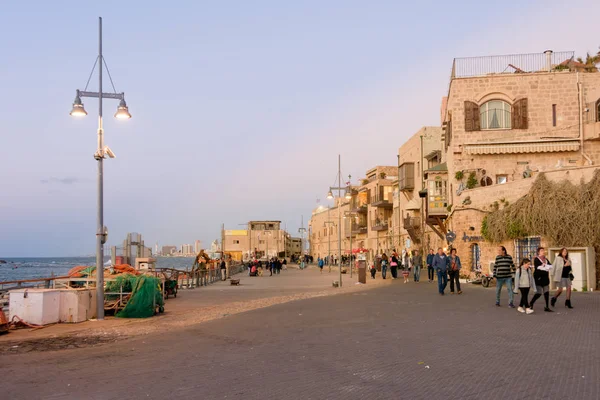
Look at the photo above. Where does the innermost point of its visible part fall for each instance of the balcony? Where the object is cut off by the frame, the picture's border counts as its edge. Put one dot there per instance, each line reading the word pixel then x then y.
pixel 381 202
pixel 412 223
pixel 358 208
pixel 406 178
pixel 379 225
pixel 358 229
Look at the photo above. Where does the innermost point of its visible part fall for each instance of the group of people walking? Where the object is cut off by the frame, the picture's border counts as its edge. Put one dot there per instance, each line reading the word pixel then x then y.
pixel 446 268
pixel 534 278
pixel 274 266
pixel 407 263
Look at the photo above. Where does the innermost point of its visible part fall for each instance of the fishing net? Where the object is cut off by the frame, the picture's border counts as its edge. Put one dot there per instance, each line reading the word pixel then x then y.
pixel 146 295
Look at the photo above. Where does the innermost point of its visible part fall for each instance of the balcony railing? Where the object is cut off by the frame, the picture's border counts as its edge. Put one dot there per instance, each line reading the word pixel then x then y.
pixel 359 228
pixel 412 223
pixel 379 225
pixel 381 201
pixel 510 64
pixel 358 208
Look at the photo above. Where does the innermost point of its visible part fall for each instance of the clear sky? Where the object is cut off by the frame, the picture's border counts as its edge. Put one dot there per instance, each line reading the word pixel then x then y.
pixel 239 107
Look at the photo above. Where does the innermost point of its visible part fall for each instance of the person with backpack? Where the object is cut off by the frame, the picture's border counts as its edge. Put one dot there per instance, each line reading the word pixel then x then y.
pixel 384 264
pixel 541 275
pixel 503 269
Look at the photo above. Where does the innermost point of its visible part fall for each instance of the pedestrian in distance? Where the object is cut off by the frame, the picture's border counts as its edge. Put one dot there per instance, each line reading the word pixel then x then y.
pixel 440 265
pixel 223 268
pixel 503 270
pixel 541 275
pixel 417 262
pixel 373 271
pixel 524 282
pixel 320 262
pixel 454 272
pixel 384 265
pixel 394 265
pixel 562 275
pixel 405 273
pixel 430 270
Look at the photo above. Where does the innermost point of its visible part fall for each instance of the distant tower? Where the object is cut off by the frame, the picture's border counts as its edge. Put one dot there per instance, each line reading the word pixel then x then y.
pixel 156 249
pixel 197 246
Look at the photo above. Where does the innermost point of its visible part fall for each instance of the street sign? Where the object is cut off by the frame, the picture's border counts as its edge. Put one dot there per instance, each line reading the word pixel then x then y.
pixel 450 236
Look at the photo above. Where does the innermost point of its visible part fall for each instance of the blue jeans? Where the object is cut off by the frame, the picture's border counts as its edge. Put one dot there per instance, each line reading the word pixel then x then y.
pixel 442 280
pixel 417 275
pixel 383 271
pixel 501 282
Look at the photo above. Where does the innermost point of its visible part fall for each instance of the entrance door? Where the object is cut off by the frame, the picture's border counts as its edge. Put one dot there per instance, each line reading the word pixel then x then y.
pixel 476 257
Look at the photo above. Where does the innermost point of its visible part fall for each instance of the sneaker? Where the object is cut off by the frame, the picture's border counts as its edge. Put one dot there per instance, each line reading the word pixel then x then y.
pixel 497 304
pixel 547 309
pixel 521 309
pixel 511 306
pixel 529 311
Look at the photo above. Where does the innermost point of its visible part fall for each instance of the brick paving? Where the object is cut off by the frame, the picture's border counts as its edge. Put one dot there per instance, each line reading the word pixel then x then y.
pixel 395 341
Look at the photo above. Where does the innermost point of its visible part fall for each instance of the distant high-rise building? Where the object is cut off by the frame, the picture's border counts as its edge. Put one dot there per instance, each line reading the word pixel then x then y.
pixel 187 250
pixel 169 250
pixel 197 246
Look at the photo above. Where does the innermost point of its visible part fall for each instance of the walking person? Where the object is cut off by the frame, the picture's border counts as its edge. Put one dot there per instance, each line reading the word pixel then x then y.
pixel 223 268
pixel 524 282
pixel 440 265
pixel 405 273
pixel 384 263
pixel 394 265
pixel 541 275
pixel 563 275
pixel 320 263
pixel 454 272
pixel 503 269
pixel 373 270
pixel 417 262
pixel 429 261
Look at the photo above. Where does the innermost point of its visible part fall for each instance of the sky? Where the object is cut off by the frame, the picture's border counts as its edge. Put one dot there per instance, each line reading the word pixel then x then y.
pixel 239 108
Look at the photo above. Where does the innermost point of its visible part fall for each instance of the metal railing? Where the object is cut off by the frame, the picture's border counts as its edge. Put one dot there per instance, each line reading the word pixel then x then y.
pixel 412 222
pixel 510 64
pixel 379 224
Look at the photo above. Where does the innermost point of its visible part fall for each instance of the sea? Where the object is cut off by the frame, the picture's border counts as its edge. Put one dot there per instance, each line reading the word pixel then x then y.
pixel 33 268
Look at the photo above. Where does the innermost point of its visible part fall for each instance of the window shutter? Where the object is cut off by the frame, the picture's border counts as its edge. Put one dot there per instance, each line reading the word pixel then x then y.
pixel 592 115
pixel 519 114
pixel 471 117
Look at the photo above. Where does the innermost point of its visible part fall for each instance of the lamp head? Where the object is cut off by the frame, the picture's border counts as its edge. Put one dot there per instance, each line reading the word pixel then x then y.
pixel 78 110
pixel 122 111
pixel 330 194
pixel 348 194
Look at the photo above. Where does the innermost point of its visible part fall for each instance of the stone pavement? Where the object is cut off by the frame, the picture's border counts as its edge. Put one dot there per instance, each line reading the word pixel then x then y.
pixel 197 305
pixel 395 341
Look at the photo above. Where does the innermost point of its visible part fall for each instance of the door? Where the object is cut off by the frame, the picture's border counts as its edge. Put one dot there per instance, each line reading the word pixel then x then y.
pixel 475 257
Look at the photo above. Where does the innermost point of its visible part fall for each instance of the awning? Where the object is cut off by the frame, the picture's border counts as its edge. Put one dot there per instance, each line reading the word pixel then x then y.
pixel 414 204
pixel 522 147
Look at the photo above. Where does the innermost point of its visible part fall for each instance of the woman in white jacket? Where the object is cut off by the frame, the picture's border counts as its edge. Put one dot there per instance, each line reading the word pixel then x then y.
pixel 562 274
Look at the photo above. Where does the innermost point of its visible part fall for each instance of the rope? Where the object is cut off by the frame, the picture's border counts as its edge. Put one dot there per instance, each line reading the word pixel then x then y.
pixel 91 73
pixel 109 77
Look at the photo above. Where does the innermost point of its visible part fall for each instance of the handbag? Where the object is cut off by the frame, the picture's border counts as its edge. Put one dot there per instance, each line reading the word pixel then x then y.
pixel 571 276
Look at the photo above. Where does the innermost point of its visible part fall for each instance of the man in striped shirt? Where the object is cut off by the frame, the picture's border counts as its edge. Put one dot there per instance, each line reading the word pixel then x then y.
pixel 503 270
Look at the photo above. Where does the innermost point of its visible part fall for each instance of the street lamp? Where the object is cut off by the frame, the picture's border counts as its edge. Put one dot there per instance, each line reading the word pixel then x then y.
pixel 339 188
pixel 353 215
pixel 101 153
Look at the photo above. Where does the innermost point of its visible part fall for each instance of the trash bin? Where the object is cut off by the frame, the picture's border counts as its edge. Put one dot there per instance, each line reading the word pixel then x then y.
pixel 362 271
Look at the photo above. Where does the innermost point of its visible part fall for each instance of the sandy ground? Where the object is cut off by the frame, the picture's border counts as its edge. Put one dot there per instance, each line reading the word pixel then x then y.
pixel 191 307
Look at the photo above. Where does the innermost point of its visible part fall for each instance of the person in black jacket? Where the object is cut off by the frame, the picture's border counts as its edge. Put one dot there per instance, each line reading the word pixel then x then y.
pixel 541 276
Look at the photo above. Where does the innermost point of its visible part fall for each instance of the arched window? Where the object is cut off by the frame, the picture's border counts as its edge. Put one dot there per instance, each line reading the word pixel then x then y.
pixel 598 111
pixel 495 114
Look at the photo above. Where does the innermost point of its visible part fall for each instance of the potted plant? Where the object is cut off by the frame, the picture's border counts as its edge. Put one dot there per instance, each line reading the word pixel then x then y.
pixel 459 175
pixel 471 181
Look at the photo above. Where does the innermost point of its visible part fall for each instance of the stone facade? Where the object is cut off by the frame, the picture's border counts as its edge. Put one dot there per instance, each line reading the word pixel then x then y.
pixel 556 134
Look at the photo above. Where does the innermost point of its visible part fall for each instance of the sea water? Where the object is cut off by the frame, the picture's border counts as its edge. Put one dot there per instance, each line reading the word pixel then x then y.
pixel 32 268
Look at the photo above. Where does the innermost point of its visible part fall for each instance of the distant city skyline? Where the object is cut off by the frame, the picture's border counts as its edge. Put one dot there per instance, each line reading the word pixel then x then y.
pixel 239 111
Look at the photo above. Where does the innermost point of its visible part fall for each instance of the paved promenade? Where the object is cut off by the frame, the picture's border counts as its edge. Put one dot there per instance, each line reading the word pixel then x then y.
pixel 395 341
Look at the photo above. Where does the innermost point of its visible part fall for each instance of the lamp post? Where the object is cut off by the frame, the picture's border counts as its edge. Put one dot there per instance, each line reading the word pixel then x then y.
pixel 352 216
pixel 328 222
pixel 347 195
pixel 302 230
pixel 101 153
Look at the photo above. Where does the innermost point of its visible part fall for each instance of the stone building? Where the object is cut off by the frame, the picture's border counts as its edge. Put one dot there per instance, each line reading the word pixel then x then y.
pixel 501 129
pixel 261 239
